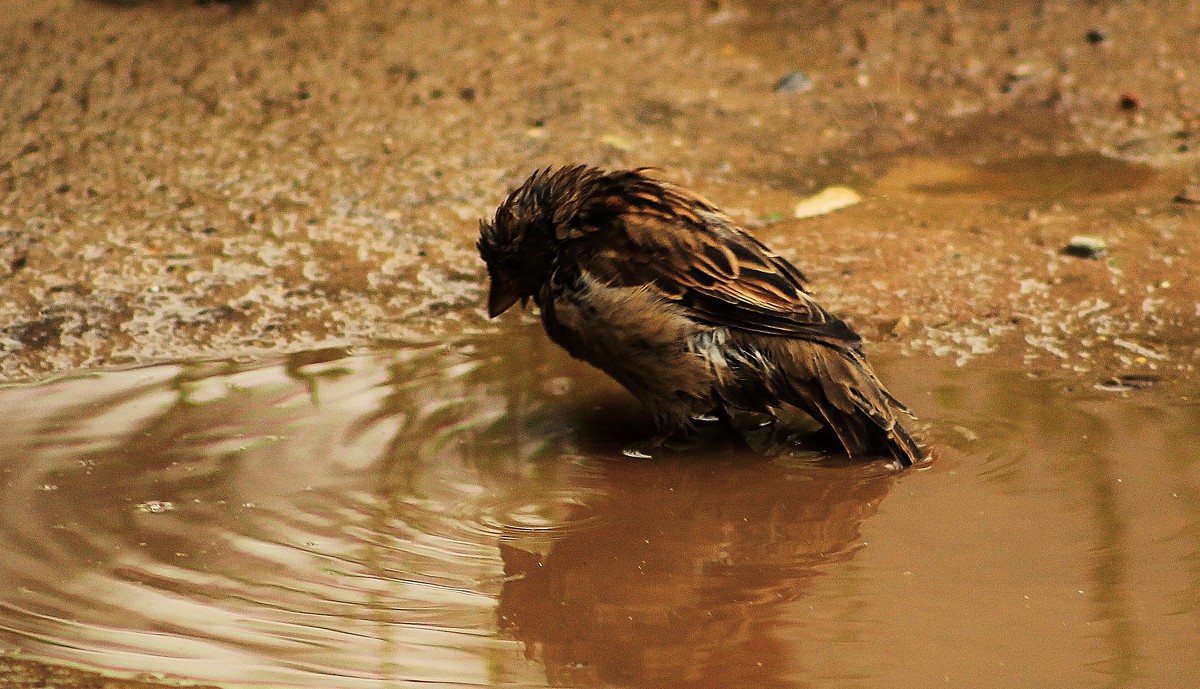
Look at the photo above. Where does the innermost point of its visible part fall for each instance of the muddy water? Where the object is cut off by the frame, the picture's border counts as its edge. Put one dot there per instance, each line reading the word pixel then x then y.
pixel 457 515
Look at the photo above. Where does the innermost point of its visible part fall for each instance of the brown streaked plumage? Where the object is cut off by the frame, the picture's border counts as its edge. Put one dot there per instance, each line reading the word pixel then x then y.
pixel 661 290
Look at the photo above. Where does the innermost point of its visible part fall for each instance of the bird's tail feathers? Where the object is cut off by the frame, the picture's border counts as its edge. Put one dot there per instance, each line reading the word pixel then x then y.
pixel 838 387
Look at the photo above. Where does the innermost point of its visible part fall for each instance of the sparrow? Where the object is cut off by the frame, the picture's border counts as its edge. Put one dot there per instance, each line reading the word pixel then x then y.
pixel 658 288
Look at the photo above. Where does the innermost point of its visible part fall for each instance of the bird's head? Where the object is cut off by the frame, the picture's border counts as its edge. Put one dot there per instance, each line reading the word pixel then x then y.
pixel 519 244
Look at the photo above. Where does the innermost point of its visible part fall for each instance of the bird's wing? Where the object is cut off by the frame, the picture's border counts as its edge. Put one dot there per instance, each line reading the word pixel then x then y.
pixel 652 234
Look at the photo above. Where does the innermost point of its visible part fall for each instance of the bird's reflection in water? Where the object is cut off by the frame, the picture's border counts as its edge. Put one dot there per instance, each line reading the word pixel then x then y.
pixel 679 571
pixel 682 578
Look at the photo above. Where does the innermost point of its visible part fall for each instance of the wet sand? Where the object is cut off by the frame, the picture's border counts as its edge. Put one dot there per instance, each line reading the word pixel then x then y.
pixel 184 181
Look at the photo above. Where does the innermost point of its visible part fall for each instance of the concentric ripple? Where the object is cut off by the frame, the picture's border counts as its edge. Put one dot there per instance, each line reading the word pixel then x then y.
pixel 432 515
pixel 325 518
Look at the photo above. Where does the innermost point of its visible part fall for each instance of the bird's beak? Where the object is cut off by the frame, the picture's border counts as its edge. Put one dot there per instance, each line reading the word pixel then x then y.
pixel 500 298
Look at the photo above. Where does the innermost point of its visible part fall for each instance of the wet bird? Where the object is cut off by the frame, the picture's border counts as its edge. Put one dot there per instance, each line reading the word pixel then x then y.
pixel 698 319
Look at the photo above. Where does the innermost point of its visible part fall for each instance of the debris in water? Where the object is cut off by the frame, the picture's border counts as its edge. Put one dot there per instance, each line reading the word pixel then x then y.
pixel 1082 246
pixel 969 435
pixel 1048 343
pixel 1189 194
pixel 825 201
pixel 1127 382
pixel 557 386
pixel 1138 349
pixel 156 506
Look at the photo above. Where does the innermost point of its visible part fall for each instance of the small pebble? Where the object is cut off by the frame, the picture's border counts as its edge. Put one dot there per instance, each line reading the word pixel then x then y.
pixel 1085 247
pixel 793 82
pixel 1096 37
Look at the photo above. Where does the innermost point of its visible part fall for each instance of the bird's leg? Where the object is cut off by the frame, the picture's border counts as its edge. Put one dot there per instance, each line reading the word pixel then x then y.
pixel 702 429
pixel 675 438
pixel 755 430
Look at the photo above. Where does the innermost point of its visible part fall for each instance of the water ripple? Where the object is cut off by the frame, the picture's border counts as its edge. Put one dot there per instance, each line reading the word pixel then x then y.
pixel 390 518
pixel 286 522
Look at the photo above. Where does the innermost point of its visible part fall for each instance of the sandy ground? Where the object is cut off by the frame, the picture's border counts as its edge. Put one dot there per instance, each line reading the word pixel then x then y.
pixel 183 179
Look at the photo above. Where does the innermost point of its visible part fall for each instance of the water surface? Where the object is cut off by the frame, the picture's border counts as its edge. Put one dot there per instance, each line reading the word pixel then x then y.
pixel 462 515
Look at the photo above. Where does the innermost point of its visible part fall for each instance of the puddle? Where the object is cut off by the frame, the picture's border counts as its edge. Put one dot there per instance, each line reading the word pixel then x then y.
pixel 457 516
pixel 1036 178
